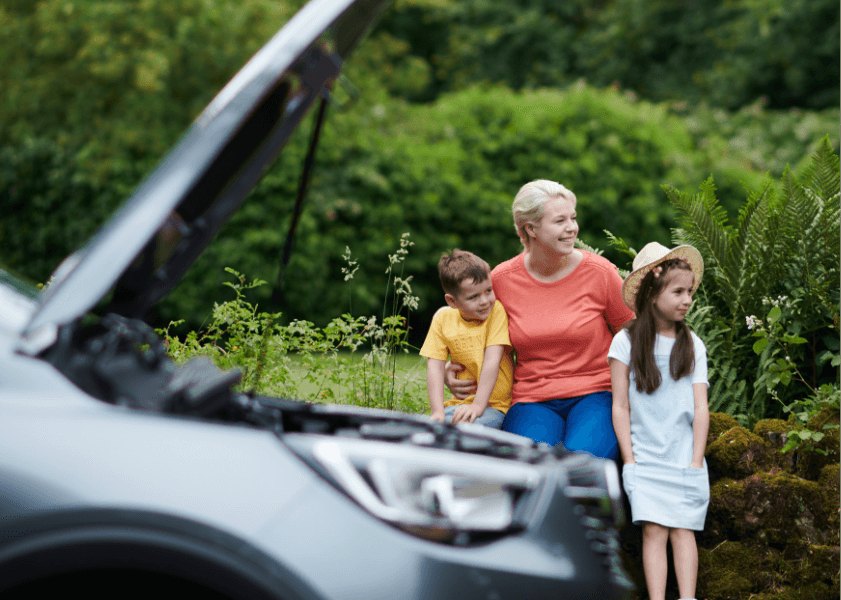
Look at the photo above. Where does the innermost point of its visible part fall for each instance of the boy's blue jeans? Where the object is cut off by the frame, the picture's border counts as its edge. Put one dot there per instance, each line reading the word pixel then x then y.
pixel 490 418
pixel 581 424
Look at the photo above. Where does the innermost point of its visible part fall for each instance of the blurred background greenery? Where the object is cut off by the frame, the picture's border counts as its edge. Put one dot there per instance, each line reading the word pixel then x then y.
pixel 458 104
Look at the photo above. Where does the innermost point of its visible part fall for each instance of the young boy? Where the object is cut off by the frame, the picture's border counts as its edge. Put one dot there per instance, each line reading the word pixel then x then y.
pixel 472 331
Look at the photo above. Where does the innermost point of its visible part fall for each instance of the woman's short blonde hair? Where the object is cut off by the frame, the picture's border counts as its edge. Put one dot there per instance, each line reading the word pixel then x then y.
pixel 530 201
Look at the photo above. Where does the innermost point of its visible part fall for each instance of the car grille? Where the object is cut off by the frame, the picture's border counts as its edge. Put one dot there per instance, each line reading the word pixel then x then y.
pixel 593 486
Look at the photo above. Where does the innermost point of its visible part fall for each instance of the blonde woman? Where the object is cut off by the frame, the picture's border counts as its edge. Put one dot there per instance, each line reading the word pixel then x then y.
pixel 564 305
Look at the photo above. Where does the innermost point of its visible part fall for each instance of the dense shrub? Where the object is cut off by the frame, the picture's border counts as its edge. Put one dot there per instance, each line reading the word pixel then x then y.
pixel 102 90
pixel 726 53
pixel 768 307
pixel 447 173
pixel 42 192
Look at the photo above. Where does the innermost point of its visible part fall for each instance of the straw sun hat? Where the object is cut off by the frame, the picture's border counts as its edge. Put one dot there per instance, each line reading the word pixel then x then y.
pixel 651 255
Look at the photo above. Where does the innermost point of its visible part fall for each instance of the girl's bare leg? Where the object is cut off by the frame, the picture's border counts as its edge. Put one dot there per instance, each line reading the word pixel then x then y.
pixel 654 561
pixel 686 560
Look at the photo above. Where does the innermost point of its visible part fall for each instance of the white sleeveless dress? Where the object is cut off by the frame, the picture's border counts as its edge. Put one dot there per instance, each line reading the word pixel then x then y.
pixel 661 486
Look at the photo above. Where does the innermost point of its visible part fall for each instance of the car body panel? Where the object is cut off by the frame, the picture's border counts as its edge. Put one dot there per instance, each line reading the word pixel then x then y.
pixel 220 488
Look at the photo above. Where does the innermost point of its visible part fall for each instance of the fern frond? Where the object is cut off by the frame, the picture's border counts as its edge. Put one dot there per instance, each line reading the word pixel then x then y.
pixel 798 213
pixel 823 190
pixel 704 224
pixel 754 239
pixel 619 244
pixel 823 174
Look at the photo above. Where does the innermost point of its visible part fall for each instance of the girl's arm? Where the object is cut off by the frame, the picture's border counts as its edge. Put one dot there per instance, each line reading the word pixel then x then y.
pixel 487 381
pixel 435 387
pixel 620 377
pixel 700 424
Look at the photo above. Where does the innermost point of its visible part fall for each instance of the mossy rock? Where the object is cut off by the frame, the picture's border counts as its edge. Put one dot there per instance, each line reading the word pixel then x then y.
pixel 772 508
pixel 810 459
pixel 781 509
pixel 773 430
pixel 819 564
pixel 727 571
pixel 719 423
pixel 829 481
pixel 740 570
pixel 813 591
pixel 738 453
pixel 727 504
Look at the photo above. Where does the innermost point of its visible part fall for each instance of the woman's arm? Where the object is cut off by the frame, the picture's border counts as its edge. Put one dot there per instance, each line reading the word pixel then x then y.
pixel 460 388
pixel 487 382
pixel 616 313
pixel 700 424
pixel 620 375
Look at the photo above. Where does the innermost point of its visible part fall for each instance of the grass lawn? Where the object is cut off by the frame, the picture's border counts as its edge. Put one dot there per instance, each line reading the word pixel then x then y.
pixel 351 379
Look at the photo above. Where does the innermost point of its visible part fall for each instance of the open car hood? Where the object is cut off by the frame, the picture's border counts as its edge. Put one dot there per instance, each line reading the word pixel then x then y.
pixel 146 247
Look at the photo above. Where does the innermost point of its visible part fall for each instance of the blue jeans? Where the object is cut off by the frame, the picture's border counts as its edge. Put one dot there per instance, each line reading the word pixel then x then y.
pixel 490 418
pixel 581 424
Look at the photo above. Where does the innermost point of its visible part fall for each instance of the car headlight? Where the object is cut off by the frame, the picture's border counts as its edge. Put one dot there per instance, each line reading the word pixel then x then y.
pixel 435 494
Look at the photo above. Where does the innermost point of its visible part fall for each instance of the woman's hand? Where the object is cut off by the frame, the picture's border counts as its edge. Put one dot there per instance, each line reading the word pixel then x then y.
pixel 460 388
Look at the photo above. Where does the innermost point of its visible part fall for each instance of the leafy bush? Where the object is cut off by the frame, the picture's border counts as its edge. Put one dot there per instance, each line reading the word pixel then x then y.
pixel 447 173
pixel 725 53
pixel 743 147
pixel 773 275
pixel 116 82
pixel 103 89
pixel 350 360
pixel 42 192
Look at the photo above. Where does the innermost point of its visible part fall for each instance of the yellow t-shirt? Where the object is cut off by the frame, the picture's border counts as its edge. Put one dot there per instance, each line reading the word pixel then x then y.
pixel 464 342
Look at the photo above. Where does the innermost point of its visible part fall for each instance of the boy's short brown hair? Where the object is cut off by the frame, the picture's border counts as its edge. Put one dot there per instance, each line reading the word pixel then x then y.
pixel 460 265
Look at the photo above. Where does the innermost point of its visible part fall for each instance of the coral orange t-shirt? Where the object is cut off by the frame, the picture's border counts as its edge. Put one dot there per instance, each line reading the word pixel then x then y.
pixel 561 331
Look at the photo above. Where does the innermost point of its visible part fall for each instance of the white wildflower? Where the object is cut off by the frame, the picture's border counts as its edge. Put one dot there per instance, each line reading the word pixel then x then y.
pixel 752 322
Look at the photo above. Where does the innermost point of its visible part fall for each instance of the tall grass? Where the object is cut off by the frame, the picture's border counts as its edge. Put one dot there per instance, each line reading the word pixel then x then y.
pixel 359 360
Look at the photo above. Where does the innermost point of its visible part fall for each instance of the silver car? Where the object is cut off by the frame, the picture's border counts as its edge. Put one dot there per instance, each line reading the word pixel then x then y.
pixel 123 473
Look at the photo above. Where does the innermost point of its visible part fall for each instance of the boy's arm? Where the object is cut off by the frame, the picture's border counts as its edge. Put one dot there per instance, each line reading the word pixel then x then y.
pixel 620 375
pixel 700 424
pixel 435 387
pixel 487 380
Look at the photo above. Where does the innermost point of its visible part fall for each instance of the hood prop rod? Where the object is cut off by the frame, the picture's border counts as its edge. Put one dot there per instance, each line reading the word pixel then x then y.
pixel 278 298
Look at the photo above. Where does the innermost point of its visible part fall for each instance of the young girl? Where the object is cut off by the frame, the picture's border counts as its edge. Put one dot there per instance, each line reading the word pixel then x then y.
pixel 658 372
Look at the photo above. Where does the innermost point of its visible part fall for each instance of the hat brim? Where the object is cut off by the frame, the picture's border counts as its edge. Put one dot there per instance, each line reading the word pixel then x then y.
pixel 632 282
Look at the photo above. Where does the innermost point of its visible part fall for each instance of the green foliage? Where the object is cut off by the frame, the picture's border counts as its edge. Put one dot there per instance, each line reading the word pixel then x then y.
pixel 116 82
pixel 777 370
pixel 448 172
pixel 351 360
pixel 42 193
pixel 98 91
pixel 726 53
pixel 780 260
pixel 743 147
pixel 805 436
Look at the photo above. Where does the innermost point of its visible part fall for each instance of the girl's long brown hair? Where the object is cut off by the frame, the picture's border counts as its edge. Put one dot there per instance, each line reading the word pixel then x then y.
pixel 643 333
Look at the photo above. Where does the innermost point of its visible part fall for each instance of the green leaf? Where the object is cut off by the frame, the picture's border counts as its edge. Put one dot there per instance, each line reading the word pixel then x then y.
pixel 760 345
pixel 774 314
